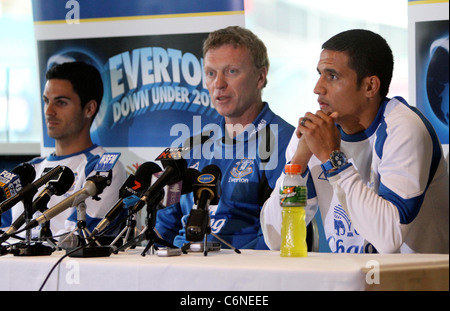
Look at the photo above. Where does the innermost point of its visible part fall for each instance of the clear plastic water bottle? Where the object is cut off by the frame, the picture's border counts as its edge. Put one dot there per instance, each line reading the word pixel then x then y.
pixel 293 196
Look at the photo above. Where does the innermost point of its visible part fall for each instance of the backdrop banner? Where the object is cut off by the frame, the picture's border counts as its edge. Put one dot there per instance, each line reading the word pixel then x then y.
pixel 428 62
pixel 149 54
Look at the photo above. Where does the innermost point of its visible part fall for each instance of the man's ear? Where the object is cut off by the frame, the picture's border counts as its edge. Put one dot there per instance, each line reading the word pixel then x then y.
pixel 262 77
pixel 90 108
pixel 372 86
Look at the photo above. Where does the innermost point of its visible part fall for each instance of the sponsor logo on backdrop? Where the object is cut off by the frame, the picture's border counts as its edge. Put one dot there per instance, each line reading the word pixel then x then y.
pixel 155 78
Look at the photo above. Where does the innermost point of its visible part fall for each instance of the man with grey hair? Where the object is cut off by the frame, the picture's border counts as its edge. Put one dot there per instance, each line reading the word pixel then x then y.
pixel 248 144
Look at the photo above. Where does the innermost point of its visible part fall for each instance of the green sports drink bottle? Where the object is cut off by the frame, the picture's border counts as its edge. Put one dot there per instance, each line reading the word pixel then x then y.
pixel 293 196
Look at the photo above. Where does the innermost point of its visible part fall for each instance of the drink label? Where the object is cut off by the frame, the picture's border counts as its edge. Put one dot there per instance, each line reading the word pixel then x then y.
pixel 293 196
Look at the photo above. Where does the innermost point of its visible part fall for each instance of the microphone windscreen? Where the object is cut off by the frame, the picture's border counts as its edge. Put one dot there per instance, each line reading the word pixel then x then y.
pixel 63 182
pixel 209 178
pixel 146 170
pixel 189 179
pixel 26 173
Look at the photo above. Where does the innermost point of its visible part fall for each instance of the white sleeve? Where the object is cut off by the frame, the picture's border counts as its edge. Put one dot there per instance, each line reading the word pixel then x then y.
pixel 271 212
pixel 382 214
pixel 271 217
pixel 375 218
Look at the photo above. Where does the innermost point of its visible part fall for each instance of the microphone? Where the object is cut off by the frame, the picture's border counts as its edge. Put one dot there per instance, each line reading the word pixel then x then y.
pixel 174 191
pixel 93 186
pixel 57 186
pixel 134 186
pixel 175 167
pixel 29 190
pixel 12 182
pixel 189 179
pixel 207 190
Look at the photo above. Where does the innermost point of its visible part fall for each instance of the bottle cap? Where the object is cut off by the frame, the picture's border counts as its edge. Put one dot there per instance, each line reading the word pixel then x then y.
pixel 293 168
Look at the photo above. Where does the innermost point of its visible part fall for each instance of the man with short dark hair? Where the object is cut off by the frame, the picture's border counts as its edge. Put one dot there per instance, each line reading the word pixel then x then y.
pixel 72 97
pixel 375 166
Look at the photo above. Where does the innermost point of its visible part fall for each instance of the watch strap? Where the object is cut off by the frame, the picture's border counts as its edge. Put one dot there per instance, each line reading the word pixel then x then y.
pixel 336 161
pixel 326 166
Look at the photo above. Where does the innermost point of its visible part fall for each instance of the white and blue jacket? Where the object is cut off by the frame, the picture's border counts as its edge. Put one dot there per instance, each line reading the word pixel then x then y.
pixel 82 165
pixel 391 197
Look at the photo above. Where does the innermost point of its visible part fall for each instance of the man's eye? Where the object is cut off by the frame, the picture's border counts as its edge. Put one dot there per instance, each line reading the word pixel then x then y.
pixel 333 77
pixel 61 103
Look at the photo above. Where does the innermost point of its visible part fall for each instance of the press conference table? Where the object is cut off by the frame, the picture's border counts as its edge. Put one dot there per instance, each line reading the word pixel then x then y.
pixel 227 271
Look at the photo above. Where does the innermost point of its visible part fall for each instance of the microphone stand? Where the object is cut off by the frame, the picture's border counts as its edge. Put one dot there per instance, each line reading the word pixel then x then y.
pixel 28 248
pixel 205 240
pixel 46 235
pixel 149 233
pixel 83 233
pixel 129 227
pixel 206 201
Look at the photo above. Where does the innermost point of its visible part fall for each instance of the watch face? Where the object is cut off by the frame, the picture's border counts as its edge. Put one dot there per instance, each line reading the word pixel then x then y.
pixel 338 159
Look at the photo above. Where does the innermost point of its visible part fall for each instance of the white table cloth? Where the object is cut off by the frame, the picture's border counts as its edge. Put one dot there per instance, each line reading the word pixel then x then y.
pixel 227 271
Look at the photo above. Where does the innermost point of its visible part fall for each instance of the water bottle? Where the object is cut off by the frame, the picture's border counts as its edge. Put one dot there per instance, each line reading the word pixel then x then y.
pixel 293 195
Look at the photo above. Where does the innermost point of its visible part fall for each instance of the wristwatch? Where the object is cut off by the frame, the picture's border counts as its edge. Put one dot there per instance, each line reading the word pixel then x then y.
pixel 336 161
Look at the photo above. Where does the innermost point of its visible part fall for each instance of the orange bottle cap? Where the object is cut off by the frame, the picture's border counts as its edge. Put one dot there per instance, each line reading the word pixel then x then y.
pixel 293 168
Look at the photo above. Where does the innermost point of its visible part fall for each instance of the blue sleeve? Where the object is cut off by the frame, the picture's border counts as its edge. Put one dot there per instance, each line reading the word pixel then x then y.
pixel 258 243
pixel 168 222
pixel 6 219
